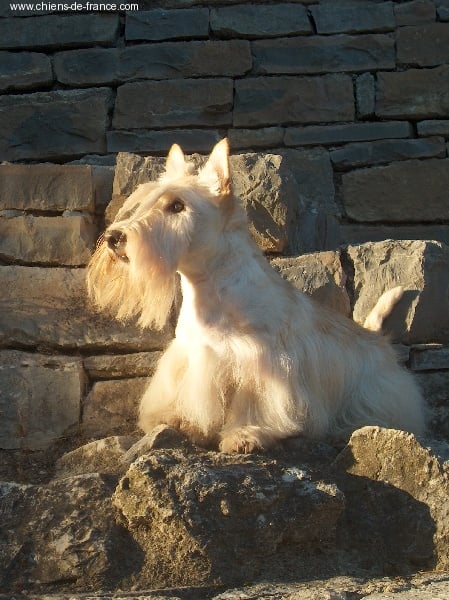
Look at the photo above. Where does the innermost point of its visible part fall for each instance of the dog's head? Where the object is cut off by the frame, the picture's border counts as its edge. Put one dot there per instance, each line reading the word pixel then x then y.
pixel 166 226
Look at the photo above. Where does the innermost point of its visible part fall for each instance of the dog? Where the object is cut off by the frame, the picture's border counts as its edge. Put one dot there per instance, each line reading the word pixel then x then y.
pixel 254 360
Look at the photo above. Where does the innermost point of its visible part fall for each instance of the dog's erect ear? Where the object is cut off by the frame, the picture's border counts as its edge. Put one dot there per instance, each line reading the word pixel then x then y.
pixel 176 165
pixel 215 173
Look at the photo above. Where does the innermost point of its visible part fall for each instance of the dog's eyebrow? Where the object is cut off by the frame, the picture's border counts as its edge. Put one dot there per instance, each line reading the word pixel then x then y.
pixel 128 213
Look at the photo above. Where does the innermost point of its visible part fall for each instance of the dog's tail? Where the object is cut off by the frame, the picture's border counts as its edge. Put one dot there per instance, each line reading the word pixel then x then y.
pixel 383 308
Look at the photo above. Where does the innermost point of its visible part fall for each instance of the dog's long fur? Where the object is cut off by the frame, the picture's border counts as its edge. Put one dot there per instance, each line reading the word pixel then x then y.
pixel 254 360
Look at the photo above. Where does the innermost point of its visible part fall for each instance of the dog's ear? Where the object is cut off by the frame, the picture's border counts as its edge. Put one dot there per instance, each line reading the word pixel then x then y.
pixel 176 165
pixel 215 173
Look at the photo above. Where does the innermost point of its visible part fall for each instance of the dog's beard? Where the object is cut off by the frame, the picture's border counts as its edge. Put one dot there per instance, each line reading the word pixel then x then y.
pixel 139 287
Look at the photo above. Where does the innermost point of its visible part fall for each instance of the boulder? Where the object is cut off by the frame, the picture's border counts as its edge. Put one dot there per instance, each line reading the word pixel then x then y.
pixel 62 534
pixel 161 436
pixel 422 268
pixel 319 275
pixel 214 518
pixel 269 191
pixel 264 182
pixel 398 476
pixel 99 456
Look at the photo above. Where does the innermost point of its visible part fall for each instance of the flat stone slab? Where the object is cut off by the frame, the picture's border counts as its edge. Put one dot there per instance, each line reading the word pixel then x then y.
pixel 66 319
pixel 46 188
pixel 404 191
pixel 40 398
pixel 56 124
pixel 59 241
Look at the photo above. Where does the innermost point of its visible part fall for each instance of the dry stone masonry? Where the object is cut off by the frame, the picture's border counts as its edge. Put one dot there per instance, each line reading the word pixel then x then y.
pixel 337 113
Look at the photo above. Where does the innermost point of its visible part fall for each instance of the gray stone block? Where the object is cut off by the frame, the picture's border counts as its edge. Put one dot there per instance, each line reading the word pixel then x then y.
pixel 24 70
pixel 51 125
pixel 160 24
pixel 40 399
pixel 263 138
pixel 276 100
pixel 107 366
pixel 312 170
pixel 58 31
pixel 385 151
pixel 411 190
pixel 190 140
pixel 443 13
pixel 435 387
pixel 46 188
pixel 351 17
pixel 185 59
pixel 86 67
pixel 352 132
pixel 323 54
pixel 174 103
pixel 102 179
pixel 365 93
pixel 422 268
pixel 423 46
pixel 260 21
pixel 60 241
pixel 414 12
pixel 111 407
pixel 66 320
pixel 430 358
pixel 433 127
pixel 415 93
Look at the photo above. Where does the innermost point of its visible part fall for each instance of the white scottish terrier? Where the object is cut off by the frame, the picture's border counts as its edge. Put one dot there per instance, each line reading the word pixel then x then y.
pixel 254 360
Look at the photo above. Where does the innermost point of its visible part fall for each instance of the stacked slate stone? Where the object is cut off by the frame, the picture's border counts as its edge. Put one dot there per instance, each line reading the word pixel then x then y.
pixel 339 111
pixel 338 118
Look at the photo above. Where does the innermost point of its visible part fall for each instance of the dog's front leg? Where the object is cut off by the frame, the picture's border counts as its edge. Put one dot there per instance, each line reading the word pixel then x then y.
pixel 159 402
pixel 260 415
pixel 245 429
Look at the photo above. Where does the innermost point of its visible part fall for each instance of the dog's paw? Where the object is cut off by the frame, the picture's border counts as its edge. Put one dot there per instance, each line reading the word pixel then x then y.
pixel 243 440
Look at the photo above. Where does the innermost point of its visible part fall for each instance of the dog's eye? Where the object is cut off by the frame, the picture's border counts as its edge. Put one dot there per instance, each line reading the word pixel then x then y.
pixel 176 206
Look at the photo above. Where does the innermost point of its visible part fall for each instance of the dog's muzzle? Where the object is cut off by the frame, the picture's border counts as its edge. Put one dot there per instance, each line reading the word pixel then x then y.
pixel 116 243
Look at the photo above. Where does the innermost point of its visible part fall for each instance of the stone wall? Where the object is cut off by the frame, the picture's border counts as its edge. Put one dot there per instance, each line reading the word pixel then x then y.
pixel 338 111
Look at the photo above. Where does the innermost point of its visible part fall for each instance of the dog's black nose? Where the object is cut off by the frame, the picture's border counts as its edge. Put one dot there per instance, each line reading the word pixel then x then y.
pixel 116 241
